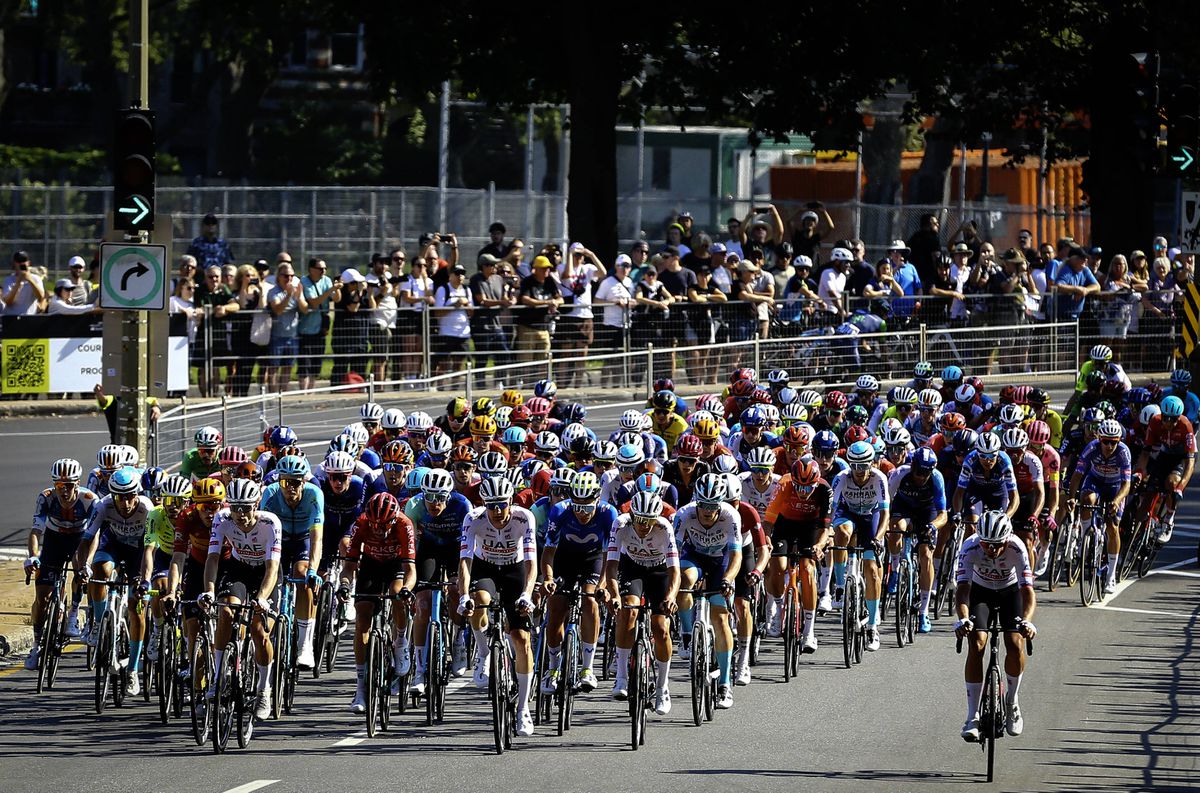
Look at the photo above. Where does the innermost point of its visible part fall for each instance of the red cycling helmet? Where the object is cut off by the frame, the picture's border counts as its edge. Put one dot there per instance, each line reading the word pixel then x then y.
pixel 836 400
pixel 805 473
pixel 856 433
pixel 382 508
pixel 538 406
pixel 977 384
pixel 1006 394
pixel 952 422
pixel 521 414
pixel 744 373
pixel 1021 394
pixel 689 446
pixel 232 455
pixel 742 389
pixel 797 436
pixel 762 396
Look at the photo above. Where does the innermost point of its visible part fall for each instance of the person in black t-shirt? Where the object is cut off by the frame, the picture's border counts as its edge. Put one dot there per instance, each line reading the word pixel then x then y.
pixel 496 245
pixel 809 226
pixel 539 299
pixel 925 245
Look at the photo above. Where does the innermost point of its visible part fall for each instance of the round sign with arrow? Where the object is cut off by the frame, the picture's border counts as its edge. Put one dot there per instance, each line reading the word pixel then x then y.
pixel 133 277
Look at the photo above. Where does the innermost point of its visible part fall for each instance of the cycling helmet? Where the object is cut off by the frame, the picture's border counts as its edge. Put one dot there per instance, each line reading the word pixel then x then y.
pixel 663 400
pixel 929 399
pixel 514 436
pixel 880 306
pixel 439 444
pixel 371 411
pixel 511 397
pixel 628 437
pixel 762 396
pixel 293 449
pixel 753 416
pixel 793 413
pixel 1038 396
pixel 437 482
pixel 177 486
pixel 66 470
pixel 1107 408
pixel 415 477
pixel 208 491
pixel 1138 396
pixel 1101 353
pixel 786 396
pixel 546 389
pixel 547 441
pixel 710 489
pixel 1015 438
pixel 521 414
pixel 575 413
pixel 207 438
pixel 517 477
pixel 805 473
pixel 923 371
pixel 458 409
pixel 811 399
pixel 125 480
pixel 897 436
pixel 538 406
pixel 976 383
pixel 647 423
pixel 491 463
pixel 797 436
pixel 878 445
pixel 418 421
pixel 964 394
pixel 503 418
pixel 483 425
pixel 725 464
pixel 109 457
pixel 826 441
pixel 987 443
pixel 964 441
pixel 292 466
pixel 855 433
pixel 586 487
pixel 905 396
pixel 249 470
pixel 630 421
pixel 231 456
pixel 866 382
pixel 952 374
pixel 1021 394
pixel 664 384
pixel 1093 415
pixel 1011 414
pixel 1094 379
pixel 1181 379
pixel 709 402
pixel 733 488
pixel 1039 433
pixel 860 453
pixel 393 419
pixel 630 455
pixel 689 446
pixel 994 527
pixel 745 373
pixel 152 479
pixel 890 423
pixel 1149 412
pixel 562 478
pixel 951 422
pixel 836 400
pixel 397 452
pixel 1006 393
pixel 382 509
pixel 923 459
pixel 606 451
pixel 283 435
pixel 840 254
pixel 760 457
pixel 244 491
pixel 778 377
pixel 857 415
pixel 483 406
pixel 572 433
pixel 345 443
pixel 742 389
pixel 1172 407
pixel 646 505
pixel 646 482
pixel 706 430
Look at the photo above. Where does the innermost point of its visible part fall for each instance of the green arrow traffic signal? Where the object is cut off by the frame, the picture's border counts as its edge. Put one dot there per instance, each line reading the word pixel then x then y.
pixel 139 210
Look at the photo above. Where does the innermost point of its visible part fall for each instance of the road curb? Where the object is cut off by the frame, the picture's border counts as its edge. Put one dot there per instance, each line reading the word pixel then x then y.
pixel 58 408
pixel 16 642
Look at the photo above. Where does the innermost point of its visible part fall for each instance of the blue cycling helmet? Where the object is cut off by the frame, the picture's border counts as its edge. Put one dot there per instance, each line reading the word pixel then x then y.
pixel 878 445
pixel 860 453
pixel 1172 407
pixel 292 467
pixel 545 389
pixel 1181 378
pixel 923 459
pixel 826 441
pixel 576 414
pixel 415 477
pixel 283 436
pixel 125 480
pixel 514 435
pixel 753 416
pixel 951 374
pixel 1138 396
pixel 152 479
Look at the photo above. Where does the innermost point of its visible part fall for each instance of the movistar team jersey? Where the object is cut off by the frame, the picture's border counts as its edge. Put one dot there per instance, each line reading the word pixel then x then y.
pixel 974 479
pixel 49 513
pixel 297 521
pixel 342 509
pixel 160 531
pixel 194 468
pixel 565 531
pixel 444 529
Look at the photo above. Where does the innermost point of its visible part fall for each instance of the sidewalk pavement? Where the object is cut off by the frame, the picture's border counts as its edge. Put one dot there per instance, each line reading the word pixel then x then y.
pixel 16 634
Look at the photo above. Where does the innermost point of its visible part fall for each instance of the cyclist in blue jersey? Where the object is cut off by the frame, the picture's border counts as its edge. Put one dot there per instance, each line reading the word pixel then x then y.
pixel 860 517
pixel 1104 473
pixel 396 461
pixel 986 482
pixel 437 514
pixel 345 495
pixel 1181 384
pixel 848 348
pixel 560 490
pixel 577 534
pixel 108 460
pixel 300 507
pixel 918 507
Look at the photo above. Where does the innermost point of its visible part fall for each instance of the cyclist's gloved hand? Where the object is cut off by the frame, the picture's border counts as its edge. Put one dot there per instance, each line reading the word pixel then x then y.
pixel 465 604
pixel 754 578
pixel 1179 494
pixel 1049 523
pixel 143 587
pixel 405 595
pixel 1026 629
pixel 205 600
pixel 962 628
pixel 343 592
pixel 263 605
pixel 524 602
pixel 32 563
pixel 956 517
pixel 314 580
pixel 726 586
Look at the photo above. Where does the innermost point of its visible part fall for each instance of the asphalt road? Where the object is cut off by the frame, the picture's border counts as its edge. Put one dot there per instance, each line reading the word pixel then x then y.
pixel 1109 699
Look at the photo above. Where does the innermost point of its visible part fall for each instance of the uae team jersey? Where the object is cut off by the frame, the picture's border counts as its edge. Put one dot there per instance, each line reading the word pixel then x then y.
pixel 1009 568
pixel 256 546
pixel 511 543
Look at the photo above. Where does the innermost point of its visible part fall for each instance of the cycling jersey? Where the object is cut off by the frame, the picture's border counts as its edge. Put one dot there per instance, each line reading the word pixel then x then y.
pixel 342 509
pixel 361 470
pixel 443 529
pixel 1178 441
pixel 910 498
pixel 296 521
pixel 1191 403
pixel 759 499
pixel 395 542
pixel 160 531
pixel 114 527
pixel 970 411
pixel 565 531
pixel 723 536
pixel 836 467
pixel 191 535
pixel 860 499
pixel 752 528
pixel 670 428
pixel 1051 465
pixel 1054 422
pixel 622 494
pixel 256 546
pixel 509 544
pixel 656 549
pixel 673 475
pixel 974 479
pixel 97 481
pixel 1009 568
pixel 920 433
pixel 49 513
pixel 1112 470
pixel 790 504
pixel 195 468
pixel 1028 472
pixel 739 446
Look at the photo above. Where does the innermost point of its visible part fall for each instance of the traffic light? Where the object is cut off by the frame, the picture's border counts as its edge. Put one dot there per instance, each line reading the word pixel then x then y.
pixel 1183 131
pixel 1138 99
pixel 133 171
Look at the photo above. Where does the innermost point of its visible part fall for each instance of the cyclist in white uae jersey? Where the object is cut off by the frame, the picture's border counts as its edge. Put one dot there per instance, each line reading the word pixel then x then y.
pixel 760 483
pixel 994 576
pixel 860 499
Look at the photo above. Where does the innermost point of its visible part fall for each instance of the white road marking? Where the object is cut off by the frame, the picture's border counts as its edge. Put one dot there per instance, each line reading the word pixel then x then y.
pixel 1172 565
pixel 348 742
pixel 251 786
pixel 1147 611
pixel 1183 573
pixel 360 737
pixel 44 434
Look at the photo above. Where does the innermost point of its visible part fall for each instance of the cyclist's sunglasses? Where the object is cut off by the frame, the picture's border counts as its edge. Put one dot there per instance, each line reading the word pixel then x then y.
pixel 497 506
pixel 1108 442
pixel 860 467
pixel 436 498
pixel 688 460
pixel 241 508
pixel 761 470
pixel 464 466
pixel 987 455
pixel 209 506
pixel 338 477
pixel 290 483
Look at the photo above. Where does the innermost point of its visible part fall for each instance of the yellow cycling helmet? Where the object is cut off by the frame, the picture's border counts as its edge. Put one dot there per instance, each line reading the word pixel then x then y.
pixel 207 491
pixel 483 425
pixel 512 398
pixel 706 429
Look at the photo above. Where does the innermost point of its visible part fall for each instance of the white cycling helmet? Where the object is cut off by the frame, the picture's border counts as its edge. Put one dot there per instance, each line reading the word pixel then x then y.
pixel 358 432
pixel 496 490
pixel 573 432
pixel 733 488
pixel 866 382
pixel 905 396
pixel 177 486
pixel 1148 413
pixel 392 419
pixel 418 421
pixel 929 399
pixel 1011 414
pixel 987 443
pixel 492 464
pixel 630 421
pixel 897 436
pixel 725 464
pixel 371 411
pixel 710 489
pixel 964 394
pixel 66 469
pixel 547 441
pixel 1014 438
pixel 338 462
pixel 439 444
pixel 1101 353
pixel 994 526
pixel 645 504
pixel 243 491
pixel 438 482
pixel 760 457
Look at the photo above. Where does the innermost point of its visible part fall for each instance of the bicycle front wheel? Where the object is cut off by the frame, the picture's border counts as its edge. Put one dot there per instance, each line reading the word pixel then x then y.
pixel 201 673
pixel 789 634
pixel 698 673
pixel 247 693
pixel 849 624
pixel 281 639
pixel 49 643
pixel 498 697
pixel 433 672
pixel 372 681
pixel 224 703
pixel 1054 565
pixel 900 606
pixel 164 670
pixel 105 649
pixel 566 679
pixel 1090 573
pixel 637 694
pixel 991 721
pixel 1072 557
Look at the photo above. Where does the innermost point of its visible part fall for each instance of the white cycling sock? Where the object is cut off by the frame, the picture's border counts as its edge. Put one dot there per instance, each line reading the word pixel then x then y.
pixel 810 623
pixel 777 604
pixel 663 668
pixel 589 655
pixel 744 652
pixel 1014 683
pixel 826 575
pixel 421 650
pixel 925 595
pixel 524 681
pixel 264 677
pixel 398 649
pixel 360 677
pixel 974 690
pixel 555 661
pixel 481 644
pixel 623 663
pixel 304 633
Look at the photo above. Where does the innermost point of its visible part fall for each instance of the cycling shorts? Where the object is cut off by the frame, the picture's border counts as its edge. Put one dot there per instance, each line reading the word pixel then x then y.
pixel 1163 466
pixel 976 502
pixel 119 554
pixel 505 582
pixel 376 576
pixel 920 515
pixel 644 582
pixel 193 585
pixel 1105 491
pixel 581 568
pixel 431 556
pixel 236 579
pixel 293 550
pixel 160 564
pixel 863 530
pixel 1024 512
pixel 795 536
pixel 1006 602
pixel 57 549
pixel 920 532
pixel 712 570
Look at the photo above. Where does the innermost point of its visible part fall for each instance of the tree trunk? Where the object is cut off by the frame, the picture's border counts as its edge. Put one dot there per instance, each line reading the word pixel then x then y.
pixel 246 82
pixel 592 174
pixel 928 184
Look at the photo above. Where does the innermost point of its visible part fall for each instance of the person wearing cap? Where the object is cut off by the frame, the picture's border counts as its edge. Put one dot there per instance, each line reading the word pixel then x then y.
pixel 286 302
pixel 733 243
pixel 925 244
pixel 779 267
pixel 352 312
pixel 810 224
pixel 701 253
pixel 60 301
pixel 832 286
pixel 616 294
pixel 495 246
pixel 762 230
pixel 639 256
pixel 1074 282
pixel 210 248
pixel 220 302
pixel 320 291
pixel 452 305
pixel 539 298
pixel 575 330
pixel 1011 285
pixel 81 290
pixel 908 279
pixel 382 318
pixel 687 222
pixel 745 300
pixel 705 327
pixel 675 240
pixel 800 295
pixel 969 231
pixel 22 292
pixel 490 295
pixel 429 246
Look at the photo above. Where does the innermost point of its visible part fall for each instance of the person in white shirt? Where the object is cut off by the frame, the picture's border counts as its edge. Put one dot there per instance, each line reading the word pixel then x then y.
pixel 575 330
pixel 960 271
pixel 23 291
pixel 61 303
pixel 452 306
pixel 833 284
pixel 616 293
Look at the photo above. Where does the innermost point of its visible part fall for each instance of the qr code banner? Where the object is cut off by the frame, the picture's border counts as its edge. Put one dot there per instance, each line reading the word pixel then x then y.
pixel 26 366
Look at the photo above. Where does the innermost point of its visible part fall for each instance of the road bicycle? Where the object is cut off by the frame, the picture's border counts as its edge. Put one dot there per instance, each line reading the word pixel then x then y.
pixel 236 694
pixel 543 702
pixel 438 651
pixel 200 672
pixel 992 714
pixel 285 673
pixel 854 607
pixel 758 611
pixel 907 600
pixel 112 643
pixel 171 648
pixel 54 627
pixel 641 673
pixel 792 620
pixel 1064 566
pixel 703 672
pixel 381 672
pixel 608 637
pixel 1139 546
pixel 502 686
pixel 1093 554
pixel 330 621
pixel 943 595
pixel 571 656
